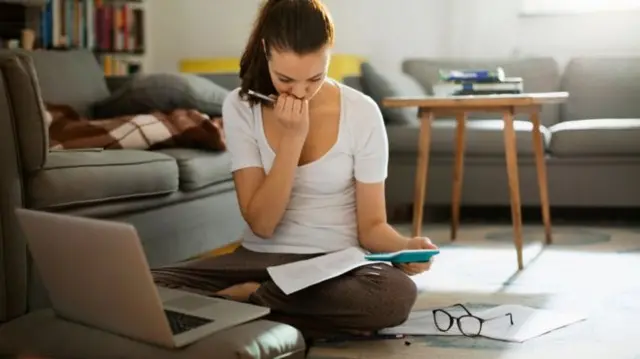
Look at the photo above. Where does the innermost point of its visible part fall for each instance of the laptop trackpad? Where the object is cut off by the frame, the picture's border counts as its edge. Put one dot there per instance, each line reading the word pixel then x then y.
pixel 190 303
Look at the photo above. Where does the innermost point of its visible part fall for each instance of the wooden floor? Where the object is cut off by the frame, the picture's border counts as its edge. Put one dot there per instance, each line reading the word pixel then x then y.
pixel 479 269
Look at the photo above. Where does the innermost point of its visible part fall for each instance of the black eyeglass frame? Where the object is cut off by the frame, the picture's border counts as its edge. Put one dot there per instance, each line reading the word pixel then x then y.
pixel 453 319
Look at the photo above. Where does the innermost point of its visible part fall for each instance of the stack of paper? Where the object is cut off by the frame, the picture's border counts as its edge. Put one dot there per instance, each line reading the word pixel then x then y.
pixel 527 323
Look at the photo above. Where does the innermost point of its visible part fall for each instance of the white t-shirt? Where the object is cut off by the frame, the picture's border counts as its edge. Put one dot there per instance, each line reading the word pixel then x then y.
pixel 321 214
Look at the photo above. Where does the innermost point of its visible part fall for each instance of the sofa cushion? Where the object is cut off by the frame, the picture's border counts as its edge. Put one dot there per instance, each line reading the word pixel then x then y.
pixel 603 137
pixel 163 92
pixel 228 80
pixel 72 78
pixel 42 334
pixel 87 177
pixel 538 74
pixel 200 168
pixel 602 88
pixel 354 81
pixel 482 138
pixel 380 86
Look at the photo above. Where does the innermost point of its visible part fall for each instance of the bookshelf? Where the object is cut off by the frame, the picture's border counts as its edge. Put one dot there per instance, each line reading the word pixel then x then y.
pixel 114 30
pixel 16 16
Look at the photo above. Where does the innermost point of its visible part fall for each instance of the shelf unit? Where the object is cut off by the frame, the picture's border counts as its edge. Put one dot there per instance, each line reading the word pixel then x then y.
pixel 113 29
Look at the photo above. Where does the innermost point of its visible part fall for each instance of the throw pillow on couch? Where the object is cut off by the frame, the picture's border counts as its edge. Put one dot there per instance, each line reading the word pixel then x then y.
pixel 379 86
pixel 163 92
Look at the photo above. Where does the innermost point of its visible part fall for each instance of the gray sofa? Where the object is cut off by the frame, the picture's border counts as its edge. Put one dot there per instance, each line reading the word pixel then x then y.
pixel 181 201
pixel 591 141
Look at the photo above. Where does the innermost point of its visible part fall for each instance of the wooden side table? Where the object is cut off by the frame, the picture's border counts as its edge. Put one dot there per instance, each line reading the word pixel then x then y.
pixel 460 106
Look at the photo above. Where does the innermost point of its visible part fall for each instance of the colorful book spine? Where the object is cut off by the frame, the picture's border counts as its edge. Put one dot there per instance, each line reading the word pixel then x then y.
pixel 112 29
pixel 97 25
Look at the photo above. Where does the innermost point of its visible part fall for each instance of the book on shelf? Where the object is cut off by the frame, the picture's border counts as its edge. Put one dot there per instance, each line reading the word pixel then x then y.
pixel 102 26
pixel 117 66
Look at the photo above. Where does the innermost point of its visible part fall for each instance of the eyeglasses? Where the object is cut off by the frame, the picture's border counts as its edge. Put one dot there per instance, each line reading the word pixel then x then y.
pixel 468 324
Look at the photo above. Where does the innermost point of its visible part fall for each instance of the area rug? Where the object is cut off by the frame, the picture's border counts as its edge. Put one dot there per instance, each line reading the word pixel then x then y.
pixel 592 269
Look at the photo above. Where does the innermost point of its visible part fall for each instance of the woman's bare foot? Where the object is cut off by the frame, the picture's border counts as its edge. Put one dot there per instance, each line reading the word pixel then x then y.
pixel 240 292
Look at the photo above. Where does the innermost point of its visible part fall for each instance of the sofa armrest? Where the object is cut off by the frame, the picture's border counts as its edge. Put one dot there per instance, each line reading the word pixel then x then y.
pixel 25 109
pixel 13 251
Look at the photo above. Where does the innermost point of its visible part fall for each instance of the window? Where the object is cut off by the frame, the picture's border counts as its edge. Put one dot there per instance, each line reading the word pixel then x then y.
pixel 556 7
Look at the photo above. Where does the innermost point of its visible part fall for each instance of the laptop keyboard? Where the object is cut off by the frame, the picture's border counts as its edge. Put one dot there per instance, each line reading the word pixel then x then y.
pixel 180 322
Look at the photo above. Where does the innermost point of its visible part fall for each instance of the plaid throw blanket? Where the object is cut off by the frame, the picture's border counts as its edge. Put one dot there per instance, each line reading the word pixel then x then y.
pixel 179 128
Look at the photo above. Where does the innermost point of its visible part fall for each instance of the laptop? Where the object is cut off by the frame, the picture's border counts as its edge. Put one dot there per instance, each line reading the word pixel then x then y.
pixel 96 274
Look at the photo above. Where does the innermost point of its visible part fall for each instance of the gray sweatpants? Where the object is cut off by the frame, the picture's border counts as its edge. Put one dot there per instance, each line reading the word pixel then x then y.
pixel 368 298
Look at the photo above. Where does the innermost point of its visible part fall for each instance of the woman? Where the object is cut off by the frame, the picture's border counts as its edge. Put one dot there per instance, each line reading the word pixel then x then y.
pixel 309 171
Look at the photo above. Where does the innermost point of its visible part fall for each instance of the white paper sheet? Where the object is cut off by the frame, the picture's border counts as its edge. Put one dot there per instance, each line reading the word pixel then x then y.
pixel 528 323
pixel 295 276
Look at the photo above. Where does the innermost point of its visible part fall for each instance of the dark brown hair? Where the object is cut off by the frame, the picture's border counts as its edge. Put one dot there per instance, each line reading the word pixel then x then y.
pixel 301 26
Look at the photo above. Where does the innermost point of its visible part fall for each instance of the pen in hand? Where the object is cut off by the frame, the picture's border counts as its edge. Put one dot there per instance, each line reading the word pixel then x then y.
pixel 259 95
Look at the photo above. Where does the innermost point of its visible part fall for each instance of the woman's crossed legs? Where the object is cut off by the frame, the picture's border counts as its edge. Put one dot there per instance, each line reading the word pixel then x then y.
pixel 366 299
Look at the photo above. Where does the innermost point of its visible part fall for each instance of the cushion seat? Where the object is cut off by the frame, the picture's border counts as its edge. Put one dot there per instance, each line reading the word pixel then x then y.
pixel 42 333
pixel 600 137
pixel 199 168
pixel 83 177
pixel 482 137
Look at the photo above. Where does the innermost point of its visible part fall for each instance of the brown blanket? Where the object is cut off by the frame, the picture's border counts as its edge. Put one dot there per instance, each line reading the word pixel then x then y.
pixel 180 128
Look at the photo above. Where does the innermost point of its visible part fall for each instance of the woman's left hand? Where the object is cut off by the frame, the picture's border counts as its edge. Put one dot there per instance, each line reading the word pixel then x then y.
pixel 417 268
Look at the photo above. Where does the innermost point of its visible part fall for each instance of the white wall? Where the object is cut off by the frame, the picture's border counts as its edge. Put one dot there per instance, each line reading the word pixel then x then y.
pixel 388 31
pixel 612 34
pixel 487 28
pixel 383 31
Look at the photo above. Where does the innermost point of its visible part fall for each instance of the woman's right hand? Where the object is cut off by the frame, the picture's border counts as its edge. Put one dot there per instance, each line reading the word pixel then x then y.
pixel 293 115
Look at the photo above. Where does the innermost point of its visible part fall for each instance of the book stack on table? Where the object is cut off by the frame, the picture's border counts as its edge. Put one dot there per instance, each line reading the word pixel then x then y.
pixel 476 82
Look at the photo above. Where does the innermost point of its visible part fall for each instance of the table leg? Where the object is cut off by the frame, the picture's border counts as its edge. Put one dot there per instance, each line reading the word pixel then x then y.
pixel 541 168
pixel 514 185
pixel 424 144
pixel 458 168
